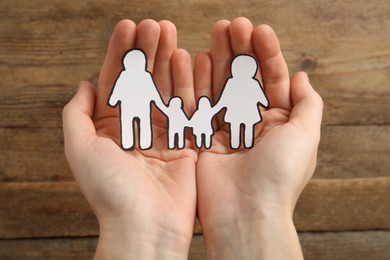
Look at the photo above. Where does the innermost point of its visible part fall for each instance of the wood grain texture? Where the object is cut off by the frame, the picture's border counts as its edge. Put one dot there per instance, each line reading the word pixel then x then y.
pixel 339 205
pixel 33 154
pixel 46 48
pixel 373 245
pixel 36 154
pixel 44 210
pixel 70 248
pixel 354 152
pixel 55 210
pixel 49 248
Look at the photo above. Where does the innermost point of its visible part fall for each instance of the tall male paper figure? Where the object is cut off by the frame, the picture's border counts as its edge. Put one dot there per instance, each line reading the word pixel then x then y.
pixel 135 91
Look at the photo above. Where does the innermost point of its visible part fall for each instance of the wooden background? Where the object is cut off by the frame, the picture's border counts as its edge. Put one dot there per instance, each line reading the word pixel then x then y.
pixel 46 47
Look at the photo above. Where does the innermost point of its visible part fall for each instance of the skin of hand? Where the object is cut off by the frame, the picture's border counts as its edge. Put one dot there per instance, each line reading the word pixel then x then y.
pixel 145 201
pixel 246 197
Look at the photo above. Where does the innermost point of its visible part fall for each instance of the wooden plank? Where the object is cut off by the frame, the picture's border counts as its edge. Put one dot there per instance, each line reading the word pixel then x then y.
pixel 50 248
pixel 346 245
pixel 360 97
pixel 55 210
pixel 36 154
pixel 46 49
pixel 197 248
pixel 373 245
pixel 44 210
pixel 39 93
pixel 353 152
pixel 33 154
pixel 337 23
pixel 350 98
pixel 70 248
pixel 338 205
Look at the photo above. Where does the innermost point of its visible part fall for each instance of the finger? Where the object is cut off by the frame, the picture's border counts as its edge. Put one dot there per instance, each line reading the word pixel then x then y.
pixel 78 126
pixel 240 36
pixel 183 79
pixel 273 67
pixel 221 55
pixel 122 39
pixel 241 30
pixel 162 71
pixel 148 34
pixel 203 75
pixel 307 108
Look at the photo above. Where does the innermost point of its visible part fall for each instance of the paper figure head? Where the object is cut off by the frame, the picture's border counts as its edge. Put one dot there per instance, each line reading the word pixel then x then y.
pixel 244 66
pixel 175 102
pixel 134 60
pixel 204 102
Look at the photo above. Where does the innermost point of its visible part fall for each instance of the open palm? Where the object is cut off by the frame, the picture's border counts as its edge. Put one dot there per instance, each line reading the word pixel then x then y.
pixel 237 186
pixel 149 190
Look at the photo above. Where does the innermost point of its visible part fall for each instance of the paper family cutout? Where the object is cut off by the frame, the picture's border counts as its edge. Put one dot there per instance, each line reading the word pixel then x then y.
pixel 135 92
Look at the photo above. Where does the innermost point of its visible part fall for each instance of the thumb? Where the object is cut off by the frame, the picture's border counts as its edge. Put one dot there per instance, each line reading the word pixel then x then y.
pixel 77 121
pixel 307 108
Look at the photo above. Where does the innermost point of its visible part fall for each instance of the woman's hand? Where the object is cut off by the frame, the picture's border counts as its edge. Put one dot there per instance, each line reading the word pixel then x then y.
pixel 145 201
pixel 246 197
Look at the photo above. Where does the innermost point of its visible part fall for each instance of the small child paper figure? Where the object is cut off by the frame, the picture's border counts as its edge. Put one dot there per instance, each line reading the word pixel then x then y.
pixel 202 123
pixel 177 122
pixel 134 91
pixel 241 96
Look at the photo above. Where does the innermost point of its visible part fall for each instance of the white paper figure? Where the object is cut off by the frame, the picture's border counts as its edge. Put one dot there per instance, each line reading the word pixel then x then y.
pixel 177 122
pixel 241 96
pixel 202 123
pixel 135 91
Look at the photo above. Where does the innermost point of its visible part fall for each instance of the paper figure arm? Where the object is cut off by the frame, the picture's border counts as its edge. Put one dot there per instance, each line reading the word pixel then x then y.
pixel 218 107
pixel 263 100
pixel 113 99
pixel 160 105
pixel 261 97
pixel 115 95
pixel 221 103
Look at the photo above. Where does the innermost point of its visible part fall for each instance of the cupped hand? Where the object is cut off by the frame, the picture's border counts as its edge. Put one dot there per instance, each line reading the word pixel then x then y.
pixel 239 188
pixel 148 197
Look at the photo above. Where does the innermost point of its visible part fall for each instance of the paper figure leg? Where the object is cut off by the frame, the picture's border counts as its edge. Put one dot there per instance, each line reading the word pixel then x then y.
pixel 207 141
pixel 235 136
pixel 171 140
pixel 145 140
pixel 180 140
pixel 249 136
pixel 127 134
pixel 198 139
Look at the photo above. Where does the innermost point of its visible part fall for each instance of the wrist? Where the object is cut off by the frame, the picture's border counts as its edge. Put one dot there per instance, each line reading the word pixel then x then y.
pixel 266 233
pixel 267 238
pixel 122 240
